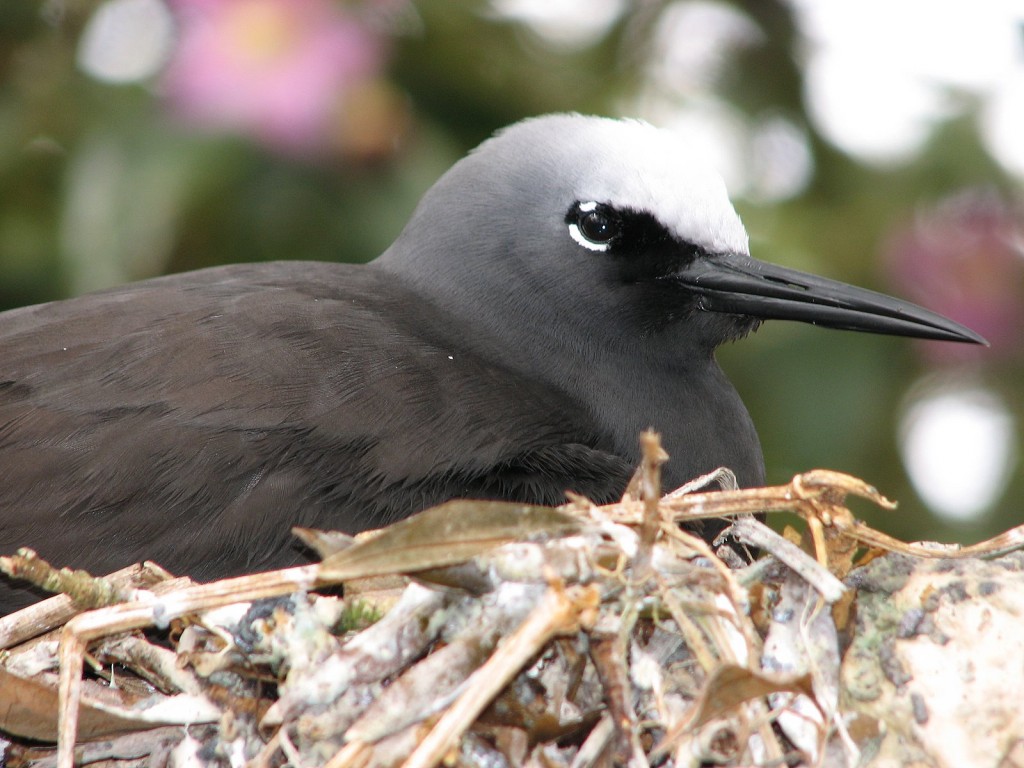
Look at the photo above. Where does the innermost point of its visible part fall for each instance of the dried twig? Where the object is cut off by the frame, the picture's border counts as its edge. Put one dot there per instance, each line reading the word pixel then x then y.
pixel 77 633
pixel 561 611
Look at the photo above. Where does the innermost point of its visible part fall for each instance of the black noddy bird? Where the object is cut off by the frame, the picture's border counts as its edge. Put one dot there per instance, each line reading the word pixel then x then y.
pixel 557 291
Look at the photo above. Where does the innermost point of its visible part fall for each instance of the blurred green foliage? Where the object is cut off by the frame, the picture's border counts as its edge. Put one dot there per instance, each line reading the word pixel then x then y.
pixel 100 184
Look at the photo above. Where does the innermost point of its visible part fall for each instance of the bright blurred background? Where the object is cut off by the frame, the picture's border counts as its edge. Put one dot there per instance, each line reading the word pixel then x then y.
pixel 879 142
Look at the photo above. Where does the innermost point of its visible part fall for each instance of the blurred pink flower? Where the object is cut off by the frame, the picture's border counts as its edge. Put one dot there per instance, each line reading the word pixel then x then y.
pixel 964 257
pixel 277 70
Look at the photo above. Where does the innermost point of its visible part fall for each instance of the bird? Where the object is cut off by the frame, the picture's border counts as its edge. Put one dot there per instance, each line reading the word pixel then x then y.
pixel 561 288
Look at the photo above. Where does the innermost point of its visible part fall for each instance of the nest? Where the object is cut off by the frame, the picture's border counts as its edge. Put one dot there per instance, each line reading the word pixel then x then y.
pixel 496 634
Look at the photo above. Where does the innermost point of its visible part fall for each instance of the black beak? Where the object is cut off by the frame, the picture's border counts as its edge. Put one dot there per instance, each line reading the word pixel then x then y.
pixel 740 285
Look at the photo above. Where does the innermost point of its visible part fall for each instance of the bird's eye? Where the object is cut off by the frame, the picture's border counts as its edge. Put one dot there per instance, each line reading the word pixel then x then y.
pixel 594 226
pixel 597 226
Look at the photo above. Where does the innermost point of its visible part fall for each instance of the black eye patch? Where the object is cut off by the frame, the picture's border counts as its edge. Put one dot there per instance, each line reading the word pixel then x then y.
pixel 622 232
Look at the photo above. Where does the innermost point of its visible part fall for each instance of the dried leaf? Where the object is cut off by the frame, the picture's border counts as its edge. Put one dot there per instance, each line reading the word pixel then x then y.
pixel 445 535
pixel 29 710
pixel 732 685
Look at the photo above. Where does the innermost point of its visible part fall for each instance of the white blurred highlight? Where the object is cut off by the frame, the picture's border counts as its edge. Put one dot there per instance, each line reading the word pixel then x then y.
pixel 126 41
pixel 565 24
pixel 882 73
pixel 958 444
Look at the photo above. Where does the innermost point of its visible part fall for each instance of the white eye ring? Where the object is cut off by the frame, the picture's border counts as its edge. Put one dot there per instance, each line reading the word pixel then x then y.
pixel 590 245
pixel 576 234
